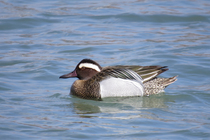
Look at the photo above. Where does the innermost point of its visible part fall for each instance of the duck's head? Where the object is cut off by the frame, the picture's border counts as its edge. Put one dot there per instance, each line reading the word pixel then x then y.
pixel 86 69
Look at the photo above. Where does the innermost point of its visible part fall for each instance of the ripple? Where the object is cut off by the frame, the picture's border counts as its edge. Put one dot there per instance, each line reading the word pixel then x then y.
pixel 24 23
pixel 127 17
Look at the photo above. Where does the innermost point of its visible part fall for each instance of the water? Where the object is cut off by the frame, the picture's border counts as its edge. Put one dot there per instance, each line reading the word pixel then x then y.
pixel 41 40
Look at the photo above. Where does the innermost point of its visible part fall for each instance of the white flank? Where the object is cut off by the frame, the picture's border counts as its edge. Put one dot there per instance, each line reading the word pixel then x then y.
pixel 89 65
pixel 117 87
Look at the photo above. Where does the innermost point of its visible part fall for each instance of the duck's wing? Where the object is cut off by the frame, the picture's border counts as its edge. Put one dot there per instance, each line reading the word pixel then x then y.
pixel 146 72
pixel 117 72
pixel 118 82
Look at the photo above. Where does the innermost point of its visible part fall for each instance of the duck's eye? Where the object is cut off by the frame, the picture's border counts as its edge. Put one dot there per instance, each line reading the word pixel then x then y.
pixel 82 68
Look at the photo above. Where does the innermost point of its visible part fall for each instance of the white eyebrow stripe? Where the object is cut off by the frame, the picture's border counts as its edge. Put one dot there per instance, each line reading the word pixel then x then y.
pixel 88 65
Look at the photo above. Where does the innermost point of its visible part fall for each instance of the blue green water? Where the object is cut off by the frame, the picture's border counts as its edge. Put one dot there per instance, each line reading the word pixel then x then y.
pixel 43 39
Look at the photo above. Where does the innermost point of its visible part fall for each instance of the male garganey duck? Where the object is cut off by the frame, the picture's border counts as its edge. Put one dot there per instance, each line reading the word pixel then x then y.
pixel 96 82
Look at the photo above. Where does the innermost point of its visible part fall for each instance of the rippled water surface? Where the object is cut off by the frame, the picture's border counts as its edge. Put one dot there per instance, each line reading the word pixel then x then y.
pixel 43 39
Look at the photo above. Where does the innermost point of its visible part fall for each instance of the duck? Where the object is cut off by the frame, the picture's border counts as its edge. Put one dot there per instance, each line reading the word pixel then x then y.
pixel 96 82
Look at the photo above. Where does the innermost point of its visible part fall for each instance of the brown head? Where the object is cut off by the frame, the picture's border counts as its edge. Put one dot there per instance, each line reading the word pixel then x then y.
pixel 86 69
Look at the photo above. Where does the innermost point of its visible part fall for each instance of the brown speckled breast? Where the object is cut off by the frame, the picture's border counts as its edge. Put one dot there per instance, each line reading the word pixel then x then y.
pixel 86 89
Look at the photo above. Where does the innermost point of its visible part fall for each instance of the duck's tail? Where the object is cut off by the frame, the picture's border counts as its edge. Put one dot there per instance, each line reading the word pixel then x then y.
pixel 157 85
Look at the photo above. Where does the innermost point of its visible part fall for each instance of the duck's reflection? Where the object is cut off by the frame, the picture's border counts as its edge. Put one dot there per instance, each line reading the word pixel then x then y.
pixel 87 108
